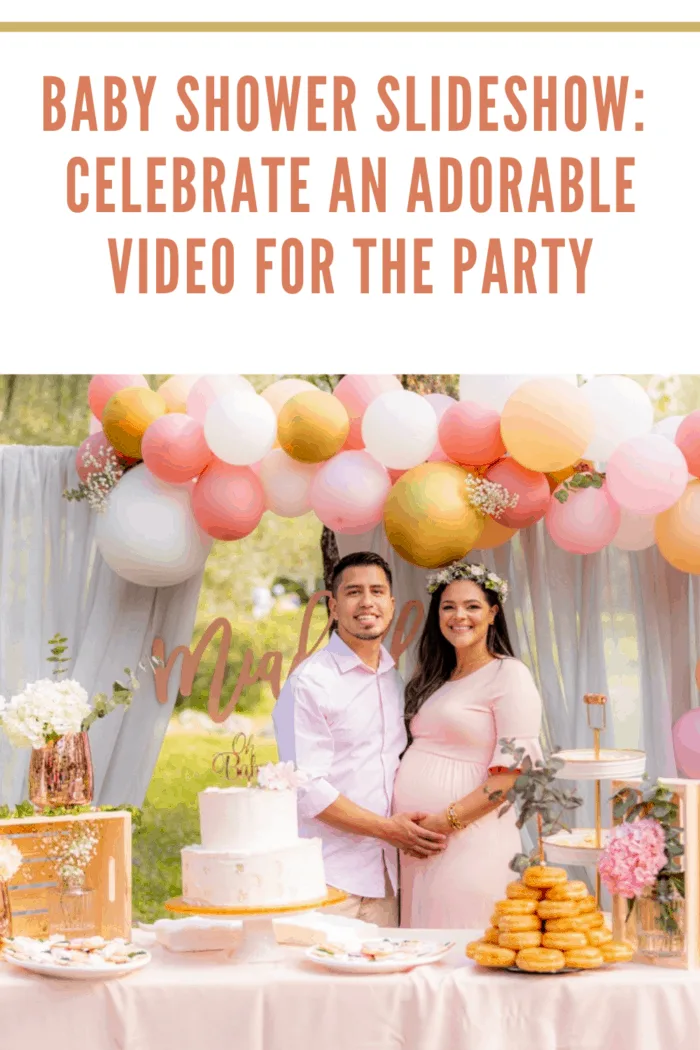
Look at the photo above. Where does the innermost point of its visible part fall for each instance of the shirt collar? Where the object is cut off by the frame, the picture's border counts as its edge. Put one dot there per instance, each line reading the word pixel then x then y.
pixel 347 660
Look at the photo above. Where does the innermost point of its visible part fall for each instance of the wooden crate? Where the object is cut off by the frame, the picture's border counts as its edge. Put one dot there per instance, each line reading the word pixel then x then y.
pixel 687 797
pixel 108 873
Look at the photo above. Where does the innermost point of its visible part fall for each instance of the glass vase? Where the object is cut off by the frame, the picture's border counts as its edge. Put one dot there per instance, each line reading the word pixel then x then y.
pixel 60 773
pixel 660 926
pixel 5 911
pixel 72 910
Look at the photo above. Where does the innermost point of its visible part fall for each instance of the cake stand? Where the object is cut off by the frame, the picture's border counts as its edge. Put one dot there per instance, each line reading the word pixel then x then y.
pixel 258 943
pixel 584 846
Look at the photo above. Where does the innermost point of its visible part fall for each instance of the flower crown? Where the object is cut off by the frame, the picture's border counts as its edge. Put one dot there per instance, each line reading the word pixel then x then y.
pixel 464 570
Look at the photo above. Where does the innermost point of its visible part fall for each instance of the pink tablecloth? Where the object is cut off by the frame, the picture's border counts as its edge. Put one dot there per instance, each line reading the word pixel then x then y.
pixel 202 1002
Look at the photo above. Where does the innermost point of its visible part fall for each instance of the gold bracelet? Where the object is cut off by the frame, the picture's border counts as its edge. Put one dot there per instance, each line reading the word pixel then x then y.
pixel 452 818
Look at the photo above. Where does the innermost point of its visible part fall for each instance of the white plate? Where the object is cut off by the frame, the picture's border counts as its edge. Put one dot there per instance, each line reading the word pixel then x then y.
pixel 351 963
pixel 576 847
pixel 78 973
pixel 612 764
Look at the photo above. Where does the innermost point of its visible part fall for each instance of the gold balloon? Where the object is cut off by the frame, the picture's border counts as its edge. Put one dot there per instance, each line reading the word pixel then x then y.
pixel 678 531
pixel 494 534
pixel 175 390
pixel 312 426
pixel 128 415
pixel 547 424
pixel 427 517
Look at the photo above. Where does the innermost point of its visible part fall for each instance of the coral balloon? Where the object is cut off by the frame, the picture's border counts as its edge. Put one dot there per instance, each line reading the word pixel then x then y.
pixel 349 492
pixel 677 531
pixel 312 426
pixel 686 744
pixel 277 394
pixel 128 415
pixel 93 456
pixel 102 389
pixel 357 393
pixel 400 429
pixel 440 403
pixel 546 424
pixel 240 428
pixel 209 389
pixel 494 535
pixel 647 474
pixel 427 517
pixel 287 483
pixel 688 441
pixel 148 534
pixel 228 501
pixel 174 448
pixel 585 523
pixel 635 533
pixel 621 410
pixel 175 392
pixel 530 486
pixel 471 434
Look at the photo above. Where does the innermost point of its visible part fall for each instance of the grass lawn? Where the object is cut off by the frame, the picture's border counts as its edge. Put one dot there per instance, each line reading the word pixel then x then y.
pixel 170 817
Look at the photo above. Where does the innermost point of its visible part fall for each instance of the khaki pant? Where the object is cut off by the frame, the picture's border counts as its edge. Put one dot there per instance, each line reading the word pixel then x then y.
pixel 382 911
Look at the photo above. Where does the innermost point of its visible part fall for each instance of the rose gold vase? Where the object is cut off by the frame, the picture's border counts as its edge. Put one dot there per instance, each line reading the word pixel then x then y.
pixel 60 774
pixel 5 911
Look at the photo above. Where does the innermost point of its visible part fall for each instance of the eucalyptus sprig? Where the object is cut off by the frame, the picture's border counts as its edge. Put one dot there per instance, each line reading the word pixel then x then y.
pixel 586 480
pixel 537 798
pixel 122 695
pixel 58 647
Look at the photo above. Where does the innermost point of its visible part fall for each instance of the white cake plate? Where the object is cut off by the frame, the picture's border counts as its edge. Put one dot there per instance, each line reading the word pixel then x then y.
pixel 610 764
pixel 575 848
pixel 258 943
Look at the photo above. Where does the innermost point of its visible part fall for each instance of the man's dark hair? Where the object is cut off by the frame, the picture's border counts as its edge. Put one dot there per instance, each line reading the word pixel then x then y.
pixel 359 558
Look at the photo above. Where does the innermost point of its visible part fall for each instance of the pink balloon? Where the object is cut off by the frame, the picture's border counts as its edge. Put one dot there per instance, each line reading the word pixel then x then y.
pixel 228 502
pixel 349 492
pixel 209 389
pixel 174 448
pixel 470 434
pixel 440 403
pixel 531 488
pixel 103 388
pixel 686 744
pixel 93 455
pixel 585 523
pixel 647 474
pixel 636 531
pixel 356 393
pixel 95 425
pixel 287 483
pixel 688 441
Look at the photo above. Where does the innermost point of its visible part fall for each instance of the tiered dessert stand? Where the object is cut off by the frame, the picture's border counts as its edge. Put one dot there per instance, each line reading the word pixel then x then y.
pixel 258 943
pixel 584 846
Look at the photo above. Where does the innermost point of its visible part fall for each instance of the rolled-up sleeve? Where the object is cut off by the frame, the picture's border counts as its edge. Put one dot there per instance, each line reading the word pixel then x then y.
pixel 517 711
pixel 304 737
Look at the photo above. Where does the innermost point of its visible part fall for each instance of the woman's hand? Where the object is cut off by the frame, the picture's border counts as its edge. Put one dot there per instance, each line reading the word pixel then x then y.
pixel 437 822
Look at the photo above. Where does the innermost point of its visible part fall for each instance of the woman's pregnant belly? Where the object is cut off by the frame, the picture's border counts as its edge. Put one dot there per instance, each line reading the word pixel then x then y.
pixel 428 782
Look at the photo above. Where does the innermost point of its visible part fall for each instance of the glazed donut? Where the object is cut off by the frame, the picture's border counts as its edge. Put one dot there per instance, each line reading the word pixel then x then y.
pixel 469 950
pixel 493 955
pixel 518 923
pixel 493 921
pixel 518 891
pixel 565 940
pixel 587 904
pixel 599 936
pixel 616 951
pixel 557 909
pixel 564 925
pixel 542 877
pixel 540 960
pixel 584 958
pixel 518 941
pixel 568 891
pixel 510 907
pixel 491 935
pixel 591 920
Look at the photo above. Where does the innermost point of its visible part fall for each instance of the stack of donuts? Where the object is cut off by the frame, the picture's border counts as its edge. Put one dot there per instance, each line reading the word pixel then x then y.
pixel 547 924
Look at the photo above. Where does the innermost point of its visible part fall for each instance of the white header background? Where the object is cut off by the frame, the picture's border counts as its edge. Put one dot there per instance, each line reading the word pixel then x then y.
pixel 59 308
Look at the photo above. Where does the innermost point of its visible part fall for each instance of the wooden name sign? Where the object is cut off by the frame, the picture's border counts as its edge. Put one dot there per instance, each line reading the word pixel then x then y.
pixel 269 667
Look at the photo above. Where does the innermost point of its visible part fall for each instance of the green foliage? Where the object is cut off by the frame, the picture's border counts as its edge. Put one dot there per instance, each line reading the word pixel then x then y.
pixel 58 646
pixel 587 480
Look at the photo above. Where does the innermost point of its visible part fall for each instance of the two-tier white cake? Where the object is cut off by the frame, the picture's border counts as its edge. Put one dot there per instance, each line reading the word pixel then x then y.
pixel 251 855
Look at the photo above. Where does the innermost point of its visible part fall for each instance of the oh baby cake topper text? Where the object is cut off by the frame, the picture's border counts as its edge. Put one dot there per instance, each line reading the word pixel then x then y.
pixel 481 175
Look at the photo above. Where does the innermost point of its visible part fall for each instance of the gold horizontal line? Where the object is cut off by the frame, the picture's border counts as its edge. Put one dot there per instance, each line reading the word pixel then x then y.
pixel 349 27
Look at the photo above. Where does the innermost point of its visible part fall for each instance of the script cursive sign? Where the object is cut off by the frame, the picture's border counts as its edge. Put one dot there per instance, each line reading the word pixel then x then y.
pixel 241 757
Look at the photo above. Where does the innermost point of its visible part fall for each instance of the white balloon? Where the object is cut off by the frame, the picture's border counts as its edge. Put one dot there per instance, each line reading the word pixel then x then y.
pixel 240 428
pixel 494 391
pixel 621 409
pixel 399 429
pixel 636 532
pixel 287 483
pixel 148 534
pixel 668 427
pixel 208 389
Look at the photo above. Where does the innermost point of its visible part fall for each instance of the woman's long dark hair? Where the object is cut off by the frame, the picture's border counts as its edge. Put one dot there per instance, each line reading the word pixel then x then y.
pixel 437 658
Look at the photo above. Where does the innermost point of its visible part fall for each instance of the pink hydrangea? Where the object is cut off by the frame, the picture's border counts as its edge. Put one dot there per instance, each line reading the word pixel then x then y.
pixel 633 857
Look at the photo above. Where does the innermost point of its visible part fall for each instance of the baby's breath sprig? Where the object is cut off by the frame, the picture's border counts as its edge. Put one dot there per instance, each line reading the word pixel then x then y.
pixel 488 497
pixel 104 474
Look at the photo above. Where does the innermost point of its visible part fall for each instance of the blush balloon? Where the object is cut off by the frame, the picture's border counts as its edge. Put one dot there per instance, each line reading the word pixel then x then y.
pixel 349 492
pixel 209 389
pixel 103 388
pixel 356 393
pixel 228 502
pixel 647 474
pixel 440 403
pixel 585 523
pixel 686 743
pixel 470 434
pixel 174 448
pixel 530 486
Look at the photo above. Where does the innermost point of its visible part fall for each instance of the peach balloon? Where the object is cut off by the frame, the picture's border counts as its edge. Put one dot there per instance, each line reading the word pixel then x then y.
pixel 677 531
pixel 209 389
pixel 103 388
pixel 280 392
pixel 494 535
pixel 547 424
pixel 585 523
pixel 174 448
pixel 128 415
pixel 440 404
pixel 635 533
pixel 470 434
pixel 356 393
pixel 312 426
pixel 530 486
pixel 228 502
pixel 175 392
pixel 286 482
pixel 349 492
pixel 93 455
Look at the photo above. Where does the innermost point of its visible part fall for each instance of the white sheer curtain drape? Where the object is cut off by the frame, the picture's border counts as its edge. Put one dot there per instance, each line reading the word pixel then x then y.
pixel 52 580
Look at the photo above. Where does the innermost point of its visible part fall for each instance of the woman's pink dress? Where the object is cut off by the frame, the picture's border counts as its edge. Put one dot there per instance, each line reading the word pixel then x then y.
pixel 455 742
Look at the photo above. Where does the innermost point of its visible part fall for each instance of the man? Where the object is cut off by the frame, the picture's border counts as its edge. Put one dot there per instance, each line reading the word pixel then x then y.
pixel 339 718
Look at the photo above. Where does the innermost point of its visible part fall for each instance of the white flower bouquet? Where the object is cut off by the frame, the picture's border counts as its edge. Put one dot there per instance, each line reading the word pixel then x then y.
pixel 280 776
pixel 10 860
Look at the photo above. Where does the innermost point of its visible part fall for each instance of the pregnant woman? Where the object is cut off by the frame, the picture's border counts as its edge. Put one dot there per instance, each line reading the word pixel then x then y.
pixel 467 693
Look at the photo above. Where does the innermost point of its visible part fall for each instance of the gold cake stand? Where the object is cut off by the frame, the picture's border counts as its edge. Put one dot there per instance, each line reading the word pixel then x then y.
pixel 258 943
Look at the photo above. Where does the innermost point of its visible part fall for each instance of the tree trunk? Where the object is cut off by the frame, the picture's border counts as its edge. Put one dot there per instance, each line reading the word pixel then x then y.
pixel 330 555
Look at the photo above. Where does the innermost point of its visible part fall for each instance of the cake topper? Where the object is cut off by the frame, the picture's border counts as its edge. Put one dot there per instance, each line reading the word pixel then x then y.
pixel 238 763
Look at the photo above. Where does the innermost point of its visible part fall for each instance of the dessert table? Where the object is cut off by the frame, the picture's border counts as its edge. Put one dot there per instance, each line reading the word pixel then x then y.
pixel 202 1001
